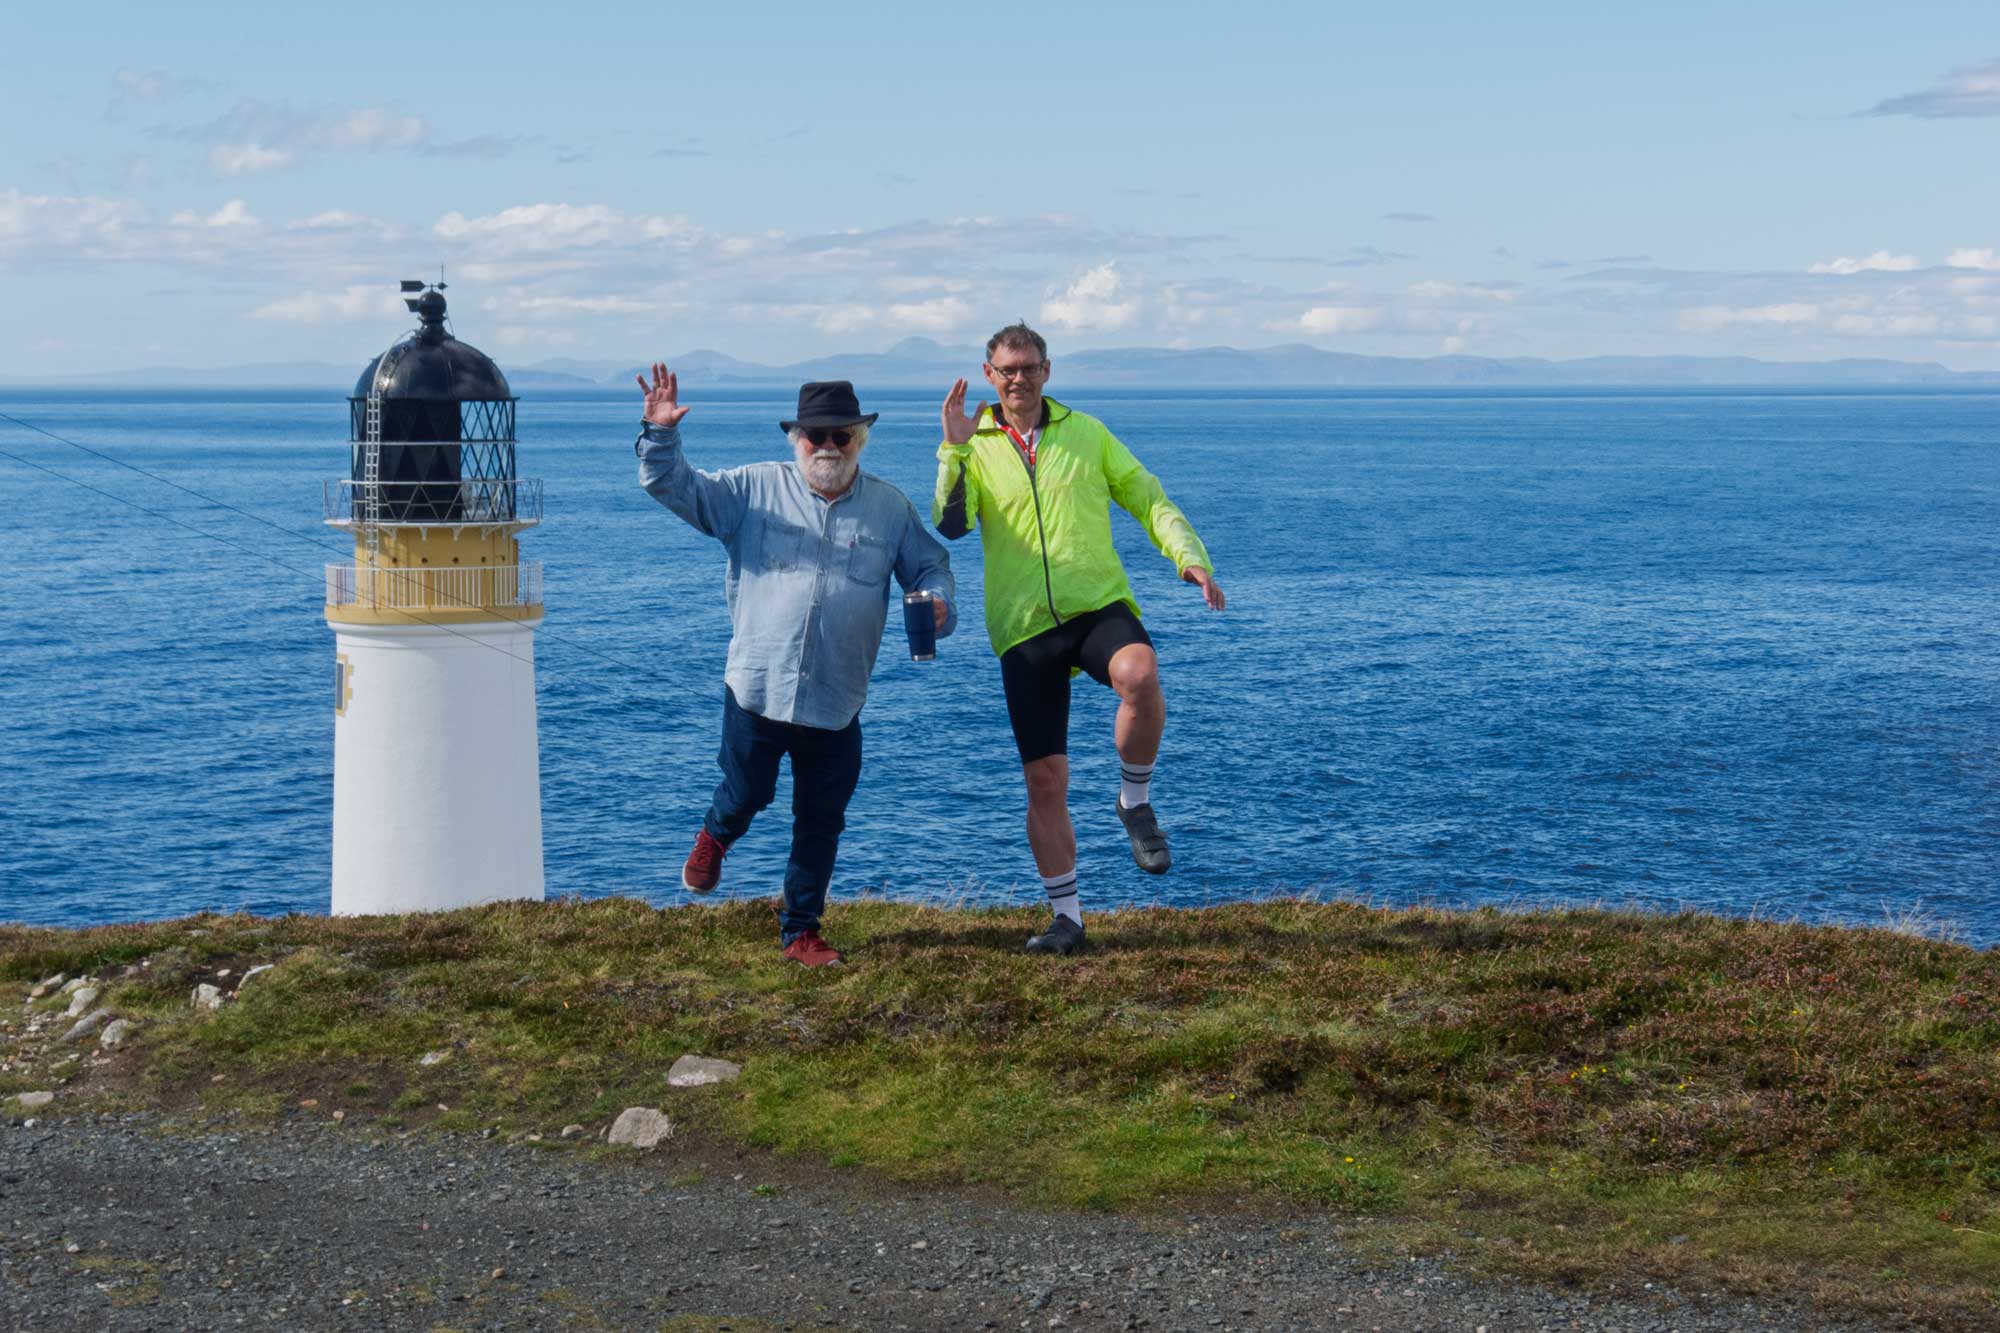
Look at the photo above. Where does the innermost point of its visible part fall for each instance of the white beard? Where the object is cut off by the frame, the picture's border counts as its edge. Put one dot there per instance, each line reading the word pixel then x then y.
pixel 827 470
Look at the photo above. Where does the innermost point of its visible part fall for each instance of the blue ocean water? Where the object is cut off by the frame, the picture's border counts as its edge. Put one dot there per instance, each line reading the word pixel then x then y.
pixel 1731 651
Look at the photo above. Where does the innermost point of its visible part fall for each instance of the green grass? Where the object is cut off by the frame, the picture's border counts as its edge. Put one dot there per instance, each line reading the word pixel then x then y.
pixel 1566 1095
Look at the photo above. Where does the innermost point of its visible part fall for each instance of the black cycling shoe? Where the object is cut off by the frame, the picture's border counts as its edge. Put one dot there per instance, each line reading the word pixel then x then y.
pixel 1063 936
pixel 1149 845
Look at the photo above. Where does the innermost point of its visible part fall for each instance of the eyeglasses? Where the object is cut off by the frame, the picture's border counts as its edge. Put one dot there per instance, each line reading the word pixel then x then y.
pixel 1030 371
pixel 819 435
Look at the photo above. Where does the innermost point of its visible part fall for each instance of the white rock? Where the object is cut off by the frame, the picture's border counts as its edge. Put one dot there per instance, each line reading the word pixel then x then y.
pixel 261 967
pixel 429 1058
pixel 571 1131
pixel 640 1127
pixel 223 972
pixel 45 985
pixel 697 1071
pixel 74 983
pixel 115 1032
pixel 88 1024
pixel 35 1100
pixel 80 1001
pixel 206 996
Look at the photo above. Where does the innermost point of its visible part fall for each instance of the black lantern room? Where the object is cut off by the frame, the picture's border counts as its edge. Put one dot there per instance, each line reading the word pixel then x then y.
pixel 444 416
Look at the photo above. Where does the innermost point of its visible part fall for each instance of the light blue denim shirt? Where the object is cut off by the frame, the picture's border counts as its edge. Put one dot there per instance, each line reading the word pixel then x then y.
pixel 808 580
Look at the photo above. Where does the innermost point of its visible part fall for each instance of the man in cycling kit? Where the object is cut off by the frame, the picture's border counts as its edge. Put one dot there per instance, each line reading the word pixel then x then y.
pixel 1038 480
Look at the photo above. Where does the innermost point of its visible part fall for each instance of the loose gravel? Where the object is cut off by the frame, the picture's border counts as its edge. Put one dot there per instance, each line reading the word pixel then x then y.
pixel 127 1223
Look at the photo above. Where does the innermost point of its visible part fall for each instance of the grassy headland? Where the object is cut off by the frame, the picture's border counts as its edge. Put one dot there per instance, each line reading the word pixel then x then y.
pixel 1564 1094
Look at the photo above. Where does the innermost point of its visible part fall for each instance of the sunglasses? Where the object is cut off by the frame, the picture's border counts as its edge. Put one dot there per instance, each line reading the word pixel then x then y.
pixel 819 435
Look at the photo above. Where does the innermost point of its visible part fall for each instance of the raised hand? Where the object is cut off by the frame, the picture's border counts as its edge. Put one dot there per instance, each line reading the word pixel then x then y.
pixel 958 427
pixel 1211 591
pixel 663 396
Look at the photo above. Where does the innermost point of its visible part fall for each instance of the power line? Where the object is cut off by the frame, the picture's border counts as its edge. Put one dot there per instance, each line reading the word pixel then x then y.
pixel 277 527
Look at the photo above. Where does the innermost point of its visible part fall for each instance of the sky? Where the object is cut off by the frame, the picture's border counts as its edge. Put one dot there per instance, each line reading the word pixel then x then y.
pixel 193 186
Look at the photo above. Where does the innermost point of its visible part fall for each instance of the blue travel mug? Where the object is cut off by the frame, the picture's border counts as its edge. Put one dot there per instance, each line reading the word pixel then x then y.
pixel 920 623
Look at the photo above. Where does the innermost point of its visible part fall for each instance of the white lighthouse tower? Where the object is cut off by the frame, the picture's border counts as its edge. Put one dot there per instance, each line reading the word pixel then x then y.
pixel 436 784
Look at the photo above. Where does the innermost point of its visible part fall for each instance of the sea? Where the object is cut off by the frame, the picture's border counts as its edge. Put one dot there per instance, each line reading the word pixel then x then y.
pixel 1663 649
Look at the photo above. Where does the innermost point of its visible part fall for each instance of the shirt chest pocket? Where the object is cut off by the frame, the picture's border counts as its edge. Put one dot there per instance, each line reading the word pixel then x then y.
pixel 868 561
pixel 784 546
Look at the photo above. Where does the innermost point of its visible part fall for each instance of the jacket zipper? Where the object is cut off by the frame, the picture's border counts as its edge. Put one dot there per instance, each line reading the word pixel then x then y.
pixel 1048 584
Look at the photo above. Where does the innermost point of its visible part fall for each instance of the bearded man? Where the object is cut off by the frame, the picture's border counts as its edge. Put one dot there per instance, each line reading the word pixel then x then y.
pixel 812 543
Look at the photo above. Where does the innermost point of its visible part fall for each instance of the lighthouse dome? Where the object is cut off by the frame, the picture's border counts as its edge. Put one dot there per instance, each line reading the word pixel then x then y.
pixel 431 364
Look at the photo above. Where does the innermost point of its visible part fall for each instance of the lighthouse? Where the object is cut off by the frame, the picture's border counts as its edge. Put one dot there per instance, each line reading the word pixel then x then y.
pixel 436 784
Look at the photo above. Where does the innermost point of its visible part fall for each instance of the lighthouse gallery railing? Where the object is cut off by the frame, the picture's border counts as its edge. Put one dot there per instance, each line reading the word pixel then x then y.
pixel 435 588
pixel 469 502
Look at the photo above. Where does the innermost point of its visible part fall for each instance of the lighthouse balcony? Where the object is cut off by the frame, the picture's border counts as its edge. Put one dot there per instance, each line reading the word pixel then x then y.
pixel 471 502
pixel 456 588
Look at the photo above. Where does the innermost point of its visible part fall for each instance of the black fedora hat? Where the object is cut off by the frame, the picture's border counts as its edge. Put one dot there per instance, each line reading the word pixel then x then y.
pixel 828 403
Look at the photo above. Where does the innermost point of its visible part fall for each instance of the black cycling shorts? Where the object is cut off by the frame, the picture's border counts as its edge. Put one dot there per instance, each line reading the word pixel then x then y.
pixel 1035 674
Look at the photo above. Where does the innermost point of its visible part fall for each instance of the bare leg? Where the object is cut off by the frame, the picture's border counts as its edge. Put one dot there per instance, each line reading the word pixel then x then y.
pixel 1051 836
pixel 1142 708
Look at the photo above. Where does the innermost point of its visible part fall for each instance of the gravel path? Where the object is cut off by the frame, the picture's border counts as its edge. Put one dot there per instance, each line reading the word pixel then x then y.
pixel 110 1223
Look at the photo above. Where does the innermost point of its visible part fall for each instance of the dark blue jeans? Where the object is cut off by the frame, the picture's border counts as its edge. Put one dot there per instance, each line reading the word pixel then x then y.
pixel 826 765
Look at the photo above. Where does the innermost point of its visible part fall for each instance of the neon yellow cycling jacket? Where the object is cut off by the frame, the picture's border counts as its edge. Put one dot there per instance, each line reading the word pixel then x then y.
pixel 1046 533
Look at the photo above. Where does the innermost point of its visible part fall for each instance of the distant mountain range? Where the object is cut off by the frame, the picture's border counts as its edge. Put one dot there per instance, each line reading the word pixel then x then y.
pixel 920 361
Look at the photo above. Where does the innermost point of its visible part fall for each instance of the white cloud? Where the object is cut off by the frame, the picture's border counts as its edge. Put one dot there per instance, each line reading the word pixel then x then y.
pixel 369 128
pixel 242 159
pixel 1967 257
pixel 546 228
pixel 523 338
pixel 1334 319
pixel 1713 318
pixel 372 302
pixel 235 213
pixel 1887 326
pixel 1974 91
pixel 942 315
pixel 1100 299
pixel 521 305
pixel 1469 291
pixel 1881 262
pixel 80 226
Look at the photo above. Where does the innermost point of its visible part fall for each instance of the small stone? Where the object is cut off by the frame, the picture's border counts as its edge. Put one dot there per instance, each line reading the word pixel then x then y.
pixel 499 1273
pixel 339 1116
pixel 34 1100
pixel 221 973
pixel 309 1103
pixel 80 1001
pixel 217 1078
pixel 72 1248
pixel 116 1032
pixel 429 1058
pixel 640 1127
pixel 206 996
pixel 697 1071
pixel 920 1245
pixel 88 1024
pixel 74 984
pixel 571 1131
pixel 261 967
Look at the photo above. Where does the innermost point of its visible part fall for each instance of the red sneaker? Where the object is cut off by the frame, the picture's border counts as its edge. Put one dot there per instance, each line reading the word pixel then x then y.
pixel 809 950
pixel 703 870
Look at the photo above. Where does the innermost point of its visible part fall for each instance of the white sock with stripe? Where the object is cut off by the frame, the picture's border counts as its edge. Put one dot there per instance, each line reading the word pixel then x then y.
pixel 1135 784
pixel 1062 895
